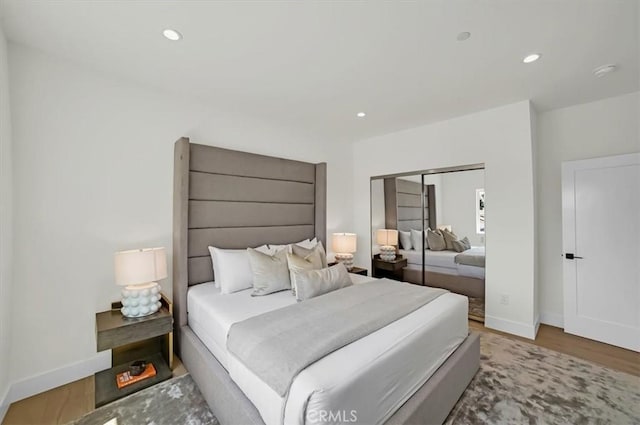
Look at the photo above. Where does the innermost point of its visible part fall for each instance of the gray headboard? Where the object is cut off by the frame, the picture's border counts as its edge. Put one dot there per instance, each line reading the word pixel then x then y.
pixel 403 205
pixel 233 199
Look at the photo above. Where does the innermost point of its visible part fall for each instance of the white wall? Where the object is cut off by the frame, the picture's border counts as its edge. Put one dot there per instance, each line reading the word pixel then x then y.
pixel 6 237
pixel 93 163
pixel 458 199
pixel 603 128
pixel 501 139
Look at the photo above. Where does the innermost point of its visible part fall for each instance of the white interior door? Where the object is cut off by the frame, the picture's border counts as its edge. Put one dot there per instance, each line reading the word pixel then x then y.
pixel 601 229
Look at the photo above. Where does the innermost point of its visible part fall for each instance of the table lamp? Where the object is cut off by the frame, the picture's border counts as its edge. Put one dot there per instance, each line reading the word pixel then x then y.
pixel 344 245
pixel 388 239
pixel 138 270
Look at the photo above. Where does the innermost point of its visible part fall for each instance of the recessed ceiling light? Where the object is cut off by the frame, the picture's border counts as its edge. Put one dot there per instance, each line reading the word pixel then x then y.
pixel 463 36
pixel 361 115
pixel 603 70
pixel 531 58
pixel 172 35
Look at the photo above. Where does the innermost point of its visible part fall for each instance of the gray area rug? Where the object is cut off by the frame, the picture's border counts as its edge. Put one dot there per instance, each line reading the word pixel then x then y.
pixel 174 402
pixel 518 383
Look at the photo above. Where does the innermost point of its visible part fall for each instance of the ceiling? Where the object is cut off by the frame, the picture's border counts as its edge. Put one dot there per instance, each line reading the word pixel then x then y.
pixel 313 65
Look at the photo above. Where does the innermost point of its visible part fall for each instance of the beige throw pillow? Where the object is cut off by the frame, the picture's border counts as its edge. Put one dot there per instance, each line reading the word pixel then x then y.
pixel 315 255
pixel 313 283
pixel 436 240
pixel 270 272
pixel 461 245
pixel 449 237
pixel 298 264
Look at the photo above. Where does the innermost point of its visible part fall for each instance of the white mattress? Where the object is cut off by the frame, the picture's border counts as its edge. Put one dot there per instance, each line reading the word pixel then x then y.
pixel 387 366
pixel 441 262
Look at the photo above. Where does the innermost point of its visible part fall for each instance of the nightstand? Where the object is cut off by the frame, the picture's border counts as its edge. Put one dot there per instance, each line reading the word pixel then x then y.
pixel 148 338
pixel 354 270
pixel 360 271
pixel 388 269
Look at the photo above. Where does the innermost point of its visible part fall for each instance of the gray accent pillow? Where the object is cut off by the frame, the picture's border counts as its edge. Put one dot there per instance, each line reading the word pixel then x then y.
pixel 313 283
pixel 298 264
pixel 270 272
pixel 315 255
pixel 461 245
pixel 449 237
pixel 405 240
pixel 436 240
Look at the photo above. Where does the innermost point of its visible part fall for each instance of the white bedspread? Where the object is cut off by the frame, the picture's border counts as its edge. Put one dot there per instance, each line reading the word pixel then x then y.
pixel 441 262
pixel 387 366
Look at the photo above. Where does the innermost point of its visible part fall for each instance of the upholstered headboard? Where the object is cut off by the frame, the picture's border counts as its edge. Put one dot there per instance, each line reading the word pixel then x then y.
pixel 232 199
pixel 403 205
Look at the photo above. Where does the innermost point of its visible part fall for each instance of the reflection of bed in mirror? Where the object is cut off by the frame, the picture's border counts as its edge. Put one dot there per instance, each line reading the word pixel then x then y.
pixel 442 270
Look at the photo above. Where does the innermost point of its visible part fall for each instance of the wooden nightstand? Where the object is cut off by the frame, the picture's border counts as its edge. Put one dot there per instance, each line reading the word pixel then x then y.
pixel 148 338
pixel 388 269
pixel 360 271
pixel 354 270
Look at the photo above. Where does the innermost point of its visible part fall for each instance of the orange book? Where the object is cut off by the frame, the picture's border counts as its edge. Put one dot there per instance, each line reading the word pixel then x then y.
pixel 126 378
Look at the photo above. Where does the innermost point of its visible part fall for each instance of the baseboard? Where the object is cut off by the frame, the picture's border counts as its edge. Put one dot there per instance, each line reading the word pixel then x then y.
pixel 4 403
pixel 552 319
pixel 43 382
pixel 515 328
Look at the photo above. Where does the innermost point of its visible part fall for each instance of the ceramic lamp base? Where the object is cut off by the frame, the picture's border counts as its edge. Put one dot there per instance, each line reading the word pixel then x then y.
pixel 346 259
pixel 140 300
pixel 387 253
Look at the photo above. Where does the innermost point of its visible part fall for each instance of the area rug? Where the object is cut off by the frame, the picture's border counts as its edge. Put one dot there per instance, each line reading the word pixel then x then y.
pixel 173 402
pixel 518 383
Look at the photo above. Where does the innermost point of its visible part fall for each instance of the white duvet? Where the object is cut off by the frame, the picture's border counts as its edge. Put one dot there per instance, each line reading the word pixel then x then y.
pixel 364 382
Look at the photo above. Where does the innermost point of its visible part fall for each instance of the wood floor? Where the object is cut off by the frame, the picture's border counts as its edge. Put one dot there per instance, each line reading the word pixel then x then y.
pixel 63 404
pixel 69 402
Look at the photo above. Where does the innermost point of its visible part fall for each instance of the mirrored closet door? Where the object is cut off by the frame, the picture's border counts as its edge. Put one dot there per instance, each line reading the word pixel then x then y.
pixel 428 229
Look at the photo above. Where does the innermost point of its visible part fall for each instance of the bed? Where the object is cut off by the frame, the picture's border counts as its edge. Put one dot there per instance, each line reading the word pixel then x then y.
pixel 443 269
pixel 234 199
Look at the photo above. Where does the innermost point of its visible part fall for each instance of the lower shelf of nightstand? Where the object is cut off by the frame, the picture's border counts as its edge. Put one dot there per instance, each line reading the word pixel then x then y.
pixel 105 381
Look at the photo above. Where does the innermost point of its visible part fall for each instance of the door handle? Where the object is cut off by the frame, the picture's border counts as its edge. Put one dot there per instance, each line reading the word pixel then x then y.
pixel 571 256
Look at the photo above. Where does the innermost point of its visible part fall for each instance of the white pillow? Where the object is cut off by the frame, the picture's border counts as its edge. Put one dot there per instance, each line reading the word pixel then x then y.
pixel 265 249
pixel 308 243
pixel 416 235
pixel 278 248
pixel 231 269
pixel 405 240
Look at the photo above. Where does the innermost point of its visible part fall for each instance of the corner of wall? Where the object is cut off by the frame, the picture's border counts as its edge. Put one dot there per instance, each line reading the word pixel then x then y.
pixel 6 226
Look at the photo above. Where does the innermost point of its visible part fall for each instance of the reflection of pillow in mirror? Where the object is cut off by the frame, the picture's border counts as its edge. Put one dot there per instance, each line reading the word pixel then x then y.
pixel 461 245
pixel 449 237
pixel 436 240
pixel 416 236
pixel 316 255
pixel 405 240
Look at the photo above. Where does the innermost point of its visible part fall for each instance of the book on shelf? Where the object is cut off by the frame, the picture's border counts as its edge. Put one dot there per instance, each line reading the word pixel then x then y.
pixel 126 378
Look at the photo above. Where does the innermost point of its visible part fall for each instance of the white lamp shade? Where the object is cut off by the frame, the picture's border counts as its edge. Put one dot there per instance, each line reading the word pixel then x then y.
pixel 140 266
pixel 344 243
pixel 387 237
